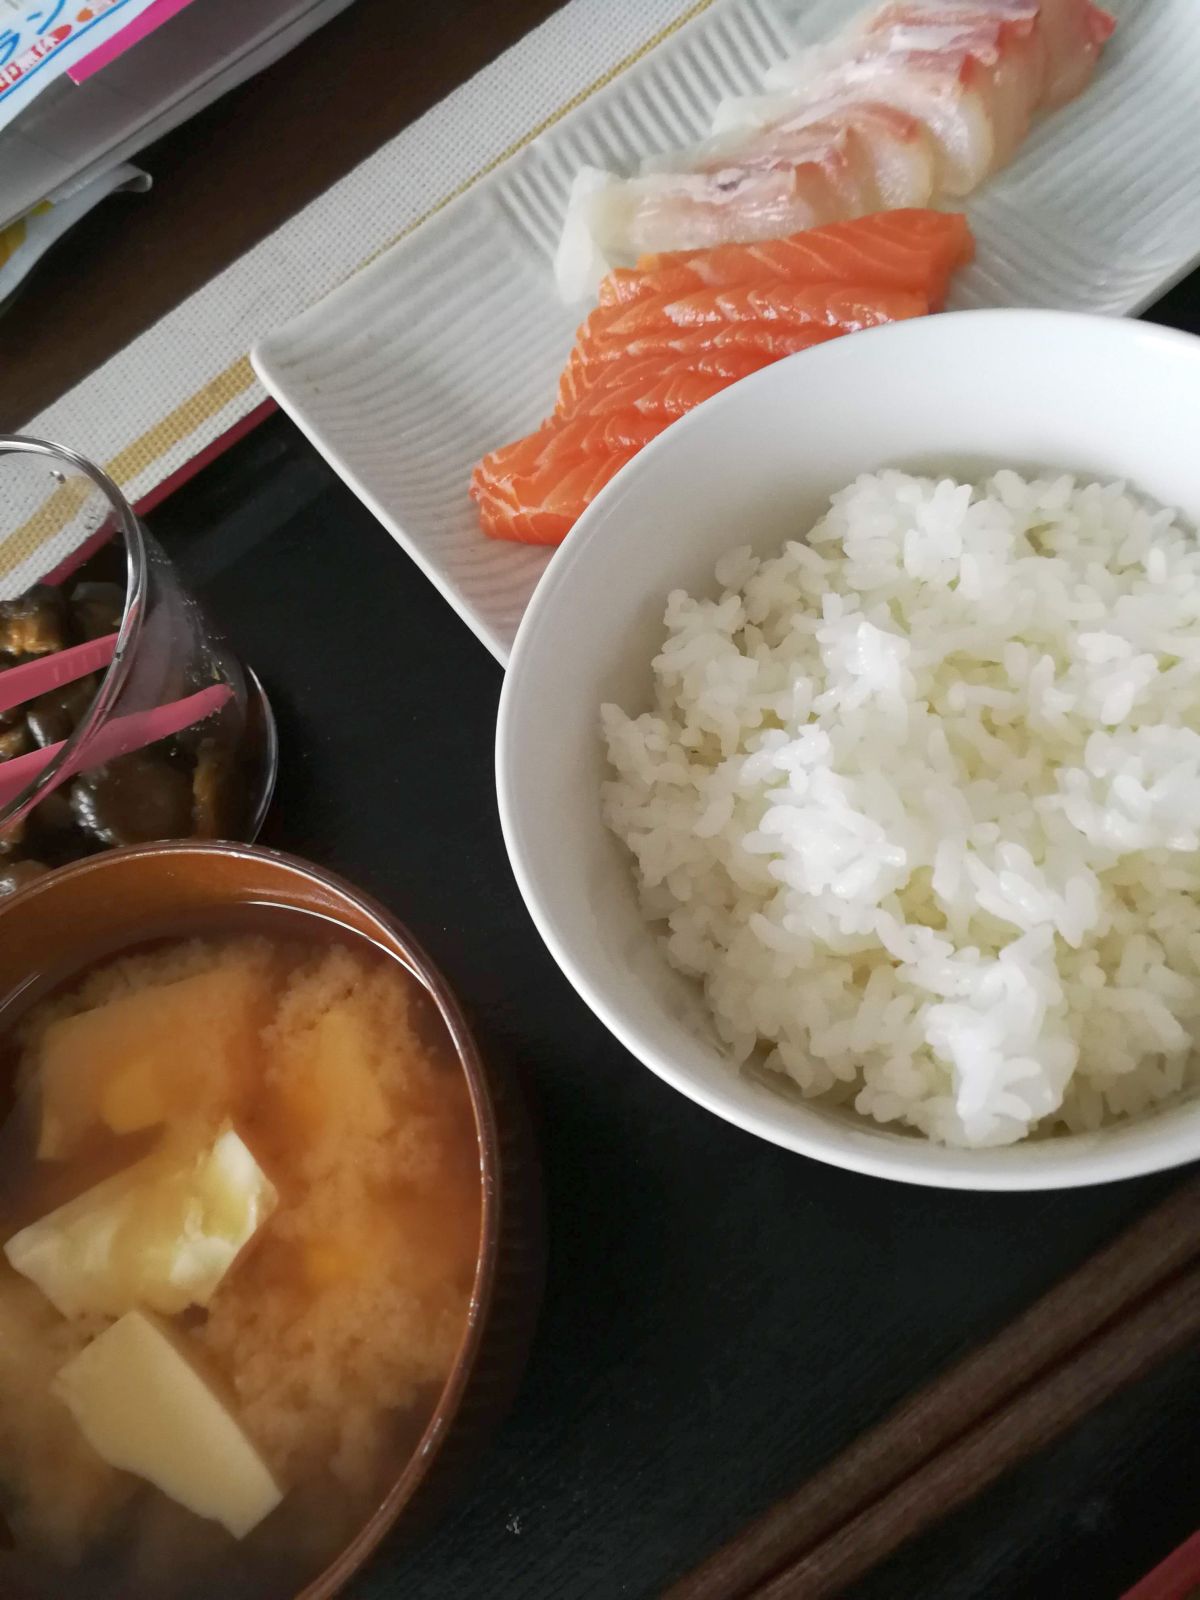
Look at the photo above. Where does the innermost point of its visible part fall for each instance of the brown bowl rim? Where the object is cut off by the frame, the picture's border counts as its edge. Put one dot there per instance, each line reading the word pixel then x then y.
pixel 354 1555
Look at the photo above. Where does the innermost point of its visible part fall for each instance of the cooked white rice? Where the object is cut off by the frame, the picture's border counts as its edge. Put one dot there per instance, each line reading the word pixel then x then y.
pixel 919 804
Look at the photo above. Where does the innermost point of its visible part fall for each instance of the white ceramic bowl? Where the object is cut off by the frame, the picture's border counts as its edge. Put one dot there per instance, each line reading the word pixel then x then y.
pixel 959 393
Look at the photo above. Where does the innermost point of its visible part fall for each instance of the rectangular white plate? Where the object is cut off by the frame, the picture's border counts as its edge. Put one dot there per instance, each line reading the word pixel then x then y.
pixel 450 343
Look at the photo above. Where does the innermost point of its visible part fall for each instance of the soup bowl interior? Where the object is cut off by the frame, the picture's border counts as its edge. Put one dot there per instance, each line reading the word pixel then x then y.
pixel 103 905
pixel 959 394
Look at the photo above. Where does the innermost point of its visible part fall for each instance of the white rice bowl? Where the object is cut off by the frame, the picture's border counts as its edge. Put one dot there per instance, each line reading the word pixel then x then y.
pixel 919 805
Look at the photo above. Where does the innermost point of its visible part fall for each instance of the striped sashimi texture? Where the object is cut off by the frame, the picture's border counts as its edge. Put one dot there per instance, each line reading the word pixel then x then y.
pixel 677 329
pixel 709 350
pixel 542 506
pixel 915 250
pixel 915 103
pixel 840 306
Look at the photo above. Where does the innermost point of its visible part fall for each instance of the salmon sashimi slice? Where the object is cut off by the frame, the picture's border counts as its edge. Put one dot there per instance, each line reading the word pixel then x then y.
pixel 841 306
pixel 553 471
pixel 542 507
pixel 647 385
pixel 533 489
pixel 614 364
pixel 775 339
pixel 916 250
pixel 625 353
pixel 650 354
pixel 589 359
pixel 566 441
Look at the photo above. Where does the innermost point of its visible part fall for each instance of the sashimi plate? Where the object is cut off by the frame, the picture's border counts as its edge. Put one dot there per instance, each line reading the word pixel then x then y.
pixel 450 343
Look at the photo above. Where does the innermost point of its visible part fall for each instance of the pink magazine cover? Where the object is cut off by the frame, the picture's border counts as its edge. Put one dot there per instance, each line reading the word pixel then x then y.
pixel 42 39
pixel 153 17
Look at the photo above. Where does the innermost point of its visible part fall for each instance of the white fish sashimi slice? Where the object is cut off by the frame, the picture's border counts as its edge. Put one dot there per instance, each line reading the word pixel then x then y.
pixel 581 259
pixel 1001 54
pixel 946 94
pixel 693 211
pixel 1074 32
pixel 917 98
pixel 737 113
pixel 895 152
pixel 1018 77
pixel 996 60
pixel 612 221
pixel 950 15
pixel 1069 33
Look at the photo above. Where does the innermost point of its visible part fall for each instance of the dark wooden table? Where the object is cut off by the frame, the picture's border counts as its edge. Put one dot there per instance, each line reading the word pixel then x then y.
pixel 721 1316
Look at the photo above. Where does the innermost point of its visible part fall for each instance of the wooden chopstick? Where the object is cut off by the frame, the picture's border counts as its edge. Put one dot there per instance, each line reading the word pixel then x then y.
pixel 1124 1352
pixel 1100 1295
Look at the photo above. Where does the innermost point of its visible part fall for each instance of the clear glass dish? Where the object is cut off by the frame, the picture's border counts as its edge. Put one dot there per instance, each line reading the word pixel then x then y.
pixel 172 738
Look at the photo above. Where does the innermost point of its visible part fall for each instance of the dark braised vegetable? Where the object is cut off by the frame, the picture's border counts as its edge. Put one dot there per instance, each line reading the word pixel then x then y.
pixel 97 609
pixel 14 741
pixel 183 787
pixel 54 715
pixel 34 624
pixel 15 874
pixel 132 800
pixel 209 785
pixel 51 830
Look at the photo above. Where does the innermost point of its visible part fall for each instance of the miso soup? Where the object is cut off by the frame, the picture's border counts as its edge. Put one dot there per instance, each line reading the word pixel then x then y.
pixel 239 1224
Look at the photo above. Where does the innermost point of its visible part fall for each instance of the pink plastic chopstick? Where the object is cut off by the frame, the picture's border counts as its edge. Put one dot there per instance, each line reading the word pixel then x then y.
pixel 116 738
pixel 31 678
pixel 1173 1579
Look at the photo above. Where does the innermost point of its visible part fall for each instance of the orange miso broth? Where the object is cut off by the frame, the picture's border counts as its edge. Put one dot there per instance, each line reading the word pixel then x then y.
pixel 240 1214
